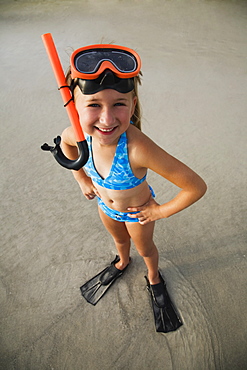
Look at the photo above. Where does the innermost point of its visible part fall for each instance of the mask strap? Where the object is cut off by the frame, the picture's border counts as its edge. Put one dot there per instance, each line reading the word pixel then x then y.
pixel 71 99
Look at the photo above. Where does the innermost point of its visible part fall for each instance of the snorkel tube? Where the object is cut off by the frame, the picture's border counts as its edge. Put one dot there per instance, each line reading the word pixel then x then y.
pixel 71 110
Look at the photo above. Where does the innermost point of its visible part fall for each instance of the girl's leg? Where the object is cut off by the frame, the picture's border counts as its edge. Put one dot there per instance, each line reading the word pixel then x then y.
pixel 120 236
pixel 142 236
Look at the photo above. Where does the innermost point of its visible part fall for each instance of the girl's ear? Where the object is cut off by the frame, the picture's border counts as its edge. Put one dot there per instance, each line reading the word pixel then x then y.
pixel 134 105
pixel 77 93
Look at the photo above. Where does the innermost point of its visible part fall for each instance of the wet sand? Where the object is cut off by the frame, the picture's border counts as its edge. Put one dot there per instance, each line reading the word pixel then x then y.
pixel 194 105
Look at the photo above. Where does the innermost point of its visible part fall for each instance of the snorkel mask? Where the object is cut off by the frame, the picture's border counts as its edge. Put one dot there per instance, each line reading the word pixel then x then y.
pixel 104 66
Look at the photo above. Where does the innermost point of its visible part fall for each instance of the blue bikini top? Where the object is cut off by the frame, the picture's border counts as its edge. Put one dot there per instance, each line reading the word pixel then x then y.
pixel 121 176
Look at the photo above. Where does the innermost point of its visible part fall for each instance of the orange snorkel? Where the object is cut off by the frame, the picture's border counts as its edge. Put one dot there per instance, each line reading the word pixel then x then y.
pixel 71 110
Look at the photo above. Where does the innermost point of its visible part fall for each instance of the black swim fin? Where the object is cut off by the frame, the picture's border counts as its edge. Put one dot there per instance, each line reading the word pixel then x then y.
pixel 165 316
pixel 94 289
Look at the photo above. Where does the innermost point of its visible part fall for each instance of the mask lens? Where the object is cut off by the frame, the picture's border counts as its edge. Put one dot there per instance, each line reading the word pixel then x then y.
pixel 89 61
pixel 86 62
pixel 123 62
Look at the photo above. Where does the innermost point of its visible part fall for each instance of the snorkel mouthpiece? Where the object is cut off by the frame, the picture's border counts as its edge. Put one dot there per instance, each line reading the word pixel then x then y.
pixel 107 80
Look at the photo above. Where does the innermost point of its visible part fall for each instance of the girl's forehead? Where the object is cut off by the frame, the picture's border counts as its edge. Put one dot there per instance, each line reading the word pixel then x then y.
pixel 104 95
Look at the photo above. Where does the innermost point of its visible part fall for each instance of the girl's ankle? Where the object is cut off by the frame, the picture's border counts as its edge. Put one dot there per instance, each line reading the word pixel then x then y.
pixel 154 278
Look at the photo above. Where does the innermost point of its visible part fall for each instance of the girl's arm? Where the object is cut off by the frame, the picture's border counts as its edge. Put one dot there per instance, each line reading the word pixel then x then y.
pixel 70 150
pixel 192 186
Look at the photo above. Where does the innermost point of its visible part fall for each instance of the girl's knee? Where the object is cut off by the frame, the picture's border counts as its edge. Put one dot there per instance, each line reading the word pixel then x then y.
pixel 147 251
pixel 121 241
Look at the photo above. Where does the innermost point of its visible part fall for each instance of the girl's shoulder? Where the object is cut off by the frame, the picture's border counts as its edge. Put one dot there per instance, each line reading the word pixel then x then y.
pixel 138 141
pixel 136 136
pixel 142 150
pixel 145 153
pixel 68 136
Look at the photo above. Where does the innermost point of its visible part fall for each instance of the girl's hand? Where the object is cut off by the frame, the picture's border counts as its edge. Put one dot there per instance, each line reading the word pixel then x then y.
pixel 147 213
pixel 88 189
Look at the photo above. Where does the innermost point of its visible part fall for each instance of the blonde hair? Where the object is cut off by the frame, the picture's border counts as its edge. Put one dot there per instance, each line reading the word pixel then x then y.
pixel 136 118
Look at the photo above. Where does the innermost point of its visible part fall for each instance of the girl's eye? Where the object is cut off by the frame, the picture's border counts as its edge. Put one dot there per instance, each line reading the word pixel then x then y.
pixel 94 105
pixel 119 104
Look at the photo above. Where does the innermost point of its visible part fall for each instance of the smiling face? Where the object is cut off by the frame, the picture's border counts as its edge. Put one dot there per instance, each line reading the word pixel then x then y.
pixel 106 114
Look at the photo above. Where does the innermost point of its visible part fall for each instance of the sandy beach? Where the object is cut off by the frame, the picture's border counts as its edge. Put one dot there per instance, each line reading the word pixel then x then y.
pixel 193 98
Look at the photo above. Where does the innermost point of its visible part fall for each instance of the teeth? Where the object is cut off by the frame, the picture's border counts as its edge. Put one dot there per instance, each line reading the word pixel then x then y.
pixel 106 129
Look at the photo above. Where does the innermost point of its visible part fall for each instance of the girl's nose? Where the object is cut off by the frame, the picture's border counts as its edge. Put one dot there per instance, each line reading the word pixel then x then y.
pixel 107 117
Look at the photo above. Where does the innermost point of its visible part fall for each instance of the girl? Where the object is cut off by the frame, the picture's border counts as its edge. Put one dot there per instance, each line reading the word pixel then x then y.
pixel 104 81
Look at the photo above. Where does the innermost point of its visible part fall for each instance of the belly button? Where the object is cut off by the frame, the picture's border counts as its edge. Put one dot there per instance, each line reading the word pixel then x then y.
pixel 111 201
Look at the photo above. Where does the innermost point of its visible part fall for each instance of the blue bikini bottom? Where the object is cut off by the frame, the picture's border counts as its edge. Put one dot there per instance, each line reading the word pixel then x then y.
pixel 119 216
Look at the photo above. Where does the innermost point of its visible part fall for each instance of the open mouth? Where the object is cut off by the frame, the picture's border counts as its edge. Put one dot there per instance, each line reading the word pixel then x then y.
pixel 106 130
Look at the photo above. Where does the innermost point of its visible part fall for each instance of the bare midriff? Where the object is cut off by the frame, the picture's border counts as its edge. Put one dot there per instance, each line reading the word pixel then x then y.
pixel 120 200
